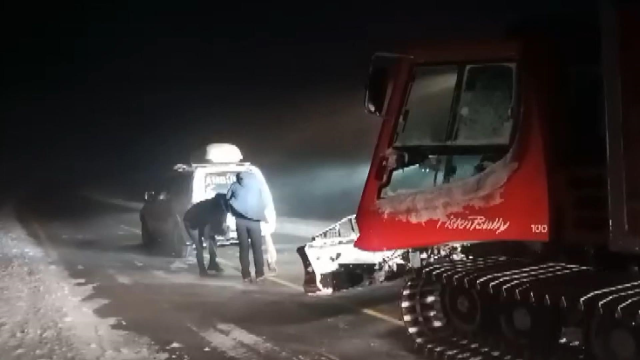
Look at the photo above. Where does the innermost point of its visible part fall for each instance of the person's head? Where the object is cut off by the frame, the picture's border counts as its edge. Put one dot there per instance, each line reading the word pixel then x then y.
pixel 221 200
pixel 246 178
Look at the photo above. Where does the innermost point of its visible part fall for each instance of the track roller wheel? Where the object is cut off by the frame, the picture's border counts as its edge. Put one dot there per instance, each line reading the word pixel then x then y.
pixel 530 329
pixel 610 339
pixel 463 308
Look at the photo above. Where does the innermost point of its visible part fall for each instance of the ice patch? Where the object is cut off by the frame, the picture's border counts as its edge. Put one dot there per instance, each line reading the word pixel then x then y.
pixel 481 190
pixel 123 279
pixel 323 292
pixel 238 343
pixel 392 155
pixel 178 265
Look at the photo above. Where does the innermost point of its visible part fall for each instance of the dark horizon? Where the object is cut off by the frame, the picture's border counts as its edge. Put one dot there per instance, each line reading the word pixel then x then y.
pixel 102 94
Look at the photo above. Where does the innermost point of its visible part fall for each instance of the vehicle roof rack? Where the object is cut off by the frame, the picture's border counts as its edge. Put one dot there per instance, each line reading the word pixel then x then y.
pixel 192 167
pixel 220 163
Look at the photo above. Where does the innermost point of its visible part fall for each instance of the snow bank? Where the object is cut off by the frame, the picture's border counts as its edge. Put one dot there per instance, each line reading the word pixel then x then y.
pixel 481 190
pixel 42 314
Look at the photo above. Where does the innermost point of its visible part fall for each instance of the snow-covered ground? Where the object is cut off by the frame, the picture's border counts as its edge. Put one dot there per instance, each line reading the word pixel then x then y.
pixel 285 225
pixel 42 311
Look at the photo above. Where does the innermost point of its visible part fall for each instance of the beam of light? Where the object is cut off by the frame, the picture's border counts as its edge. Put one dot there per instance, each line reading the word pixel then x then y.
pixel 321 191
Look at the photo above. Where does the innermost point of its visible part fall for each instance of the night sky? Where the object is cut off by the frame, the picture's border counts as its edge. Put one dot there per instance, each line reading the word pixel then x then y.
pixel 111 92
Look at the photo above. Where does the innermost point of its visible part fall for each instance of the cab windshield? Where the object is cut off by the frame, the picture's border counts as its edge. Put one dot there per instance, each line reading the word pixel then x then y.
pixel 457 120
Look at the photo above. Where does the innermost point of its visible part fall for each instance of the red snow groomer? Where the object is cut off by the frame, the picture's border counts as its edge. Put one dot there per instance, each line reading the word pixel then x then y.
pixel 524 151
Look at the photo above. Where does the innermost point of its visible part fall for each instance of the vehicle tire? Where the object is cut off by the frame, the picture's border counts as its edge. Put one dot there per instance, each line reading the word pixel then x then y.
pixel 177 240
pixel 148 241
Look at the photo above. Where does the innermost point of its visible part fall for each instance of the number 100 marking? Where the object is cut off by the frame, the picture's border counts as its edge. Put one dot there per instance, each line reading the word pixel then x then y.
pixel 539 228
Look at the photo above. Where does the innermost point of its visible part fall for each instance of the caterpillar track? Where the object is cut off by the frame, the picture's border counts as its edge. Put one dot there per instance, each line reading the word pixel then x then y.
pixel 503 308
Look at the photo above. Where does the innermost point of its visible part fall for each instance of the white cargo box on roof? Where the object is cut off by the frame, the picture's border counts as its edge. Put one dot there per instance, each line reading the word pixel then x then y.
pixel 214 169
pixel 217 153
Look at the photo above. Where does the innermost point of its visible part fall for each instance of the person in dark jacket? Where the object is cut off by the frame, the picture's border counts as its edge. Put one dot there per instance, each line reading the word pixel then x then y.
pixel 203 221
pixel 247 203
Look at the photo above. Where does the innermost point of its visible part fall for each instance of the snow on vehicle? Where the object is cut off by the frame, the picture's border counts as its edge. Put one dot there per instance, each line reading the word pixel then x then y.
pixel 212 170
pixel 522 152
pixel 332 263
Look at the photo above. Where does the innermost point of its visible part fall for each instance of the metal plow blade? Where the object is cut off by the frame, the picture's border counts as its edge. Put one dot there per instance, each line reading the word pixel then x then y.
pixel 332 263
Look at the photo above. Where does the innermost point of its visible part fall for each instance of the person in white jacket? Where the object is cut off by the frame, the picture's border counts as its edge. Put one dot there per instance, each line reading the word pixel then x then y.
pixel 268 227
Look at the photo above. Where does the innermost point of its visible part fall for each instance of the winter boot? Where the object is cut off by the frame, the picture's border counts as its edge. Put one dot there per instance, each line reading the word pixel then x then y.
pixel 214 266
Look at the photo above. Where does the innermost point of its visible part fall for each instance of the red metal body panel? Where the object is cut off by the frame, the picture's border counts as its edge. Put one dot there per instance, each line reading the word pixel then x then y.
pixel 523 213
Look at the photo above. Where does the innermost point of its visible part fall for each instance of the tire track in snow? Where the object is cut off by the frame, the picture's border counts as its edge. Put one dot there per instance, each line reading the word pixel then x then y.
pixel 191 278
pixel 285 283
pixel 227 345
pixel 240 344
pixel 121 278
pixel 133 230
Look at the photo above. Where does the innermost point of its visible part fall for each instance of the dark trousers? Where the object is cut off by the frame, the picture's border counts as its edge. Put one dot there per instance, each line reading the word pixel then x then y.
pixel 250 235
pixel 198 236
